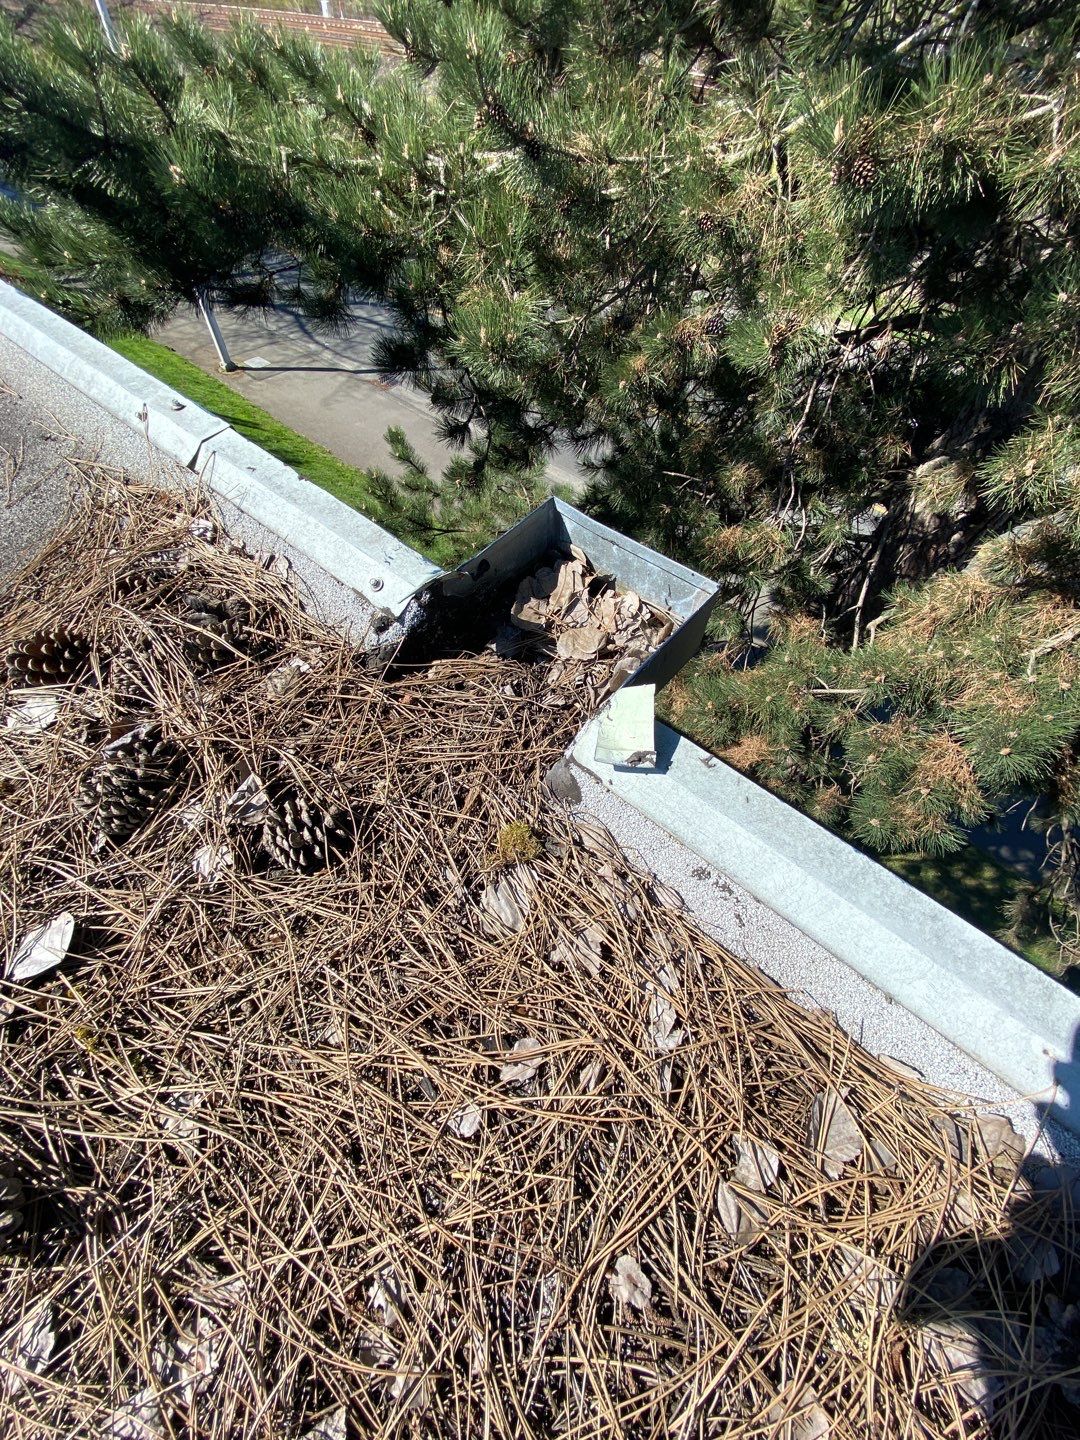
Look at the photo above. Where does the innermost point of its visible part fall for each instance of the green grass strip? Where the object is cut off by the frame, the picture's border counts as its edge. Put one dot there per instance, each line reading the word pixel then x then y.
pixel 313 461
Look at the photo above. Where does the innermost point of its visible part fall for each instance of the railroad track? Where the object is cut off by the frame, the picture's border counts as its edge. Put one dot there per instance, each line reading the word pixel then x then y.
pixel 347 32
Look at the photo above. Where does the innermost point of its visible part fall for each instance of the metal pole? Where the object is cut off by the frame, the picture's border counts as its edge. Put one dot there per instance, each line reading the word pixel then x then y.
pixel 206 308
pixel 106 23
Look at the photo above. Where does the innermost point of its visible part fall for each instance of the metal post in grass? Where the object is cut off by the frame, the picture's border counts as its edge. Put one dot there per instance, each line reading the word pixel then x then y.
pixel 206 310
pixel 106 24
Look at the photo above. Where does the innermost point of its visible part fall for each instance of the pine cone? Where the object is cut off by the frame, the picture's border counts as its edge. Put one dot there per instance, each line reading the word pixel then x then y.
pixel 859 170
pixel 217 629
pixel 495 113
pixel 54 656
pixel 301 834
pixel 150 574
pixel 714 325
pixel 863 171
pixel 706 224
pixel 134 779
pixel 534 149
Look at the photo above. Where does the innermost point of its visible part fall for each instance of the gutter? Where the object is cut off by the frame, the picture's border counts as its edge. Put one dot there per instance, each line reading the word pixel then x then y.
pixel 1021 1025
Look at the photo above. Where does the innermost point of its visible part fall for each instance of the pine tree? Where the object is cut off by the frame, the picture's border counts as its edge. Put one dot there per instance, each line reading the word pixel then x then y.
pixel 801 283
pixel 136 189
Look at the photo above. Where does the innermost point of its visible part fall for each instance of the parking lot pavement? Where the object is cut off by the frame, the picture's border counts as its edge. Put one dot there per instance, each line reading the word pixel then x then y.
pixel 325 386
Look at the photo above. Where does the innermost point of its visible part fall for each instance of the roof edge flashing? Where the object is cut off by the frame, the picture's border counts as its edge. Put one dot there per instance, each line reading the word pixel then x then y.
pixel 171 422
pixel 1023 1026
pixel 350 547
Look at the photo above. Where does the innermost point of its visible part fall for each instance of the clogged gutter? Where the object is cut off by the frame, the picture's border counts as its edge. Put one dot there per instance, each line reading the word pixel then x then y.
pixel 350 1085
pixel 595 636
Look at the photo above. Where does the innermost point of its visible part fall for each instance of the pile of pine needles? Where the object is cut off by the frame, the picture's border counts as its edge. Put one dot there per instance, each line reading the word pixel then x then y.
pixel 470 1131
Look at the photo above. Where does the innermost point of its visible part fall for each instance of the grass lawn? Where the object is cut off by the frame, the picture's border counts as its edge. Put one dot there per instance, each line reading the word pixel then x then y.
pixel 313 461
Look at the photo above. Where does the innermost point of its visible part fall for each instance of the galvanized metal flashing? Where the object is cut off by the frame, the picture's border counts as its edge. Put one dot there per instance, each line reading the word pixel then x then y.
pixel 352 549
pixel 171 422
pixel 554 525
pixel 996 1007
pixel 345 544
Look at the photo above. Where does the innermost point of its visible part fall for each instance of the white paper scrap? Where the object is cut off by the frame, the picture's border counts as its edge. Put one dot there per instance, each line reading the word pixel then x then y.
pixel 627 733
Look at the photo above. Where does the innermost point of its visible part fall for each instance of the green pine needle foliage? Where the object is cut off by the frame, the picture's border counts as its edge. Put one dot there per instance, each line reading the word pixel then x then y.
pixel 799 283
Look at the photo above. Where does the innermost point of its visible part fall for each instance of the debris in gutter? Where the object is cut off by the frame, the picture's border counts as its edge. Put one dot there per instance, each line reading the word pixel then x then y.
pixel 484 1133
pixel 601 635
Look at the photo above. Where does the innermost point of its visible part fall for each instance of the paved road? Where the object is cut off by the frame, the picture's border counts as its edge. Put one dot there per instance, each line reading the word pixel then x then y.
pixel 325 386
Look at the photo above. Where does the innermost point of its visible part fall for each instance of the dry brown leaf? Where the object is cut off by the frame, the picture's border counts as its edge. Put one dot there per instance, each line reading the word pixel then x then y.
pixel 28 1348
pixel 43 948
pixel 758 1164
pixel 211 863
pixel 801 1419
pixel 729 1209
pixel 582 949
pixel 621 671
pixel 569 583
pixel 834 1136
pixel 629 1284
pixel 333 1426
pixel 871 1284
pixel 606 612
pixel 999 1140
pixel 248 803
pixel 662 1022
pixel 741 1217
pixel 957 1351
pixel 287 677
pixel 664 895
pixel 1033 1258
pixel 582 643
pixel 525 1064
pixel 37 711
pixel 901 1067
pixel 466 1121
pixel 530 607
pixel 507 901
pixel 137 1418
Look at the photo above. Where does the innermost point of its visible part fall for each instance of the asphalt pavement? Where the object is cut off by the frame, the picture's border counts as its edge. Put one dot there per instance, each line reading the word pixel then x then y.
pixel 325 386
